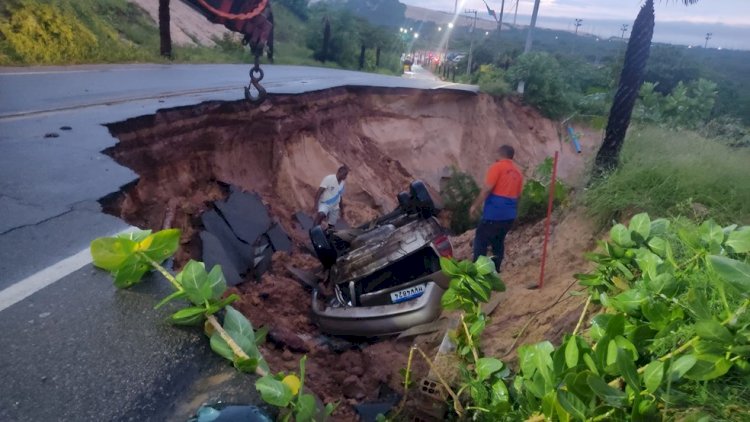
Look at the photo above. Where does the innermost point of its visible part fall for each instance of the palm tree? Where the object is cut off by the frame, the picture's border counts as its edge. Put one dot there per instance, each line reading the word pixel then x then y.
pixel 164 35
pixel 631 79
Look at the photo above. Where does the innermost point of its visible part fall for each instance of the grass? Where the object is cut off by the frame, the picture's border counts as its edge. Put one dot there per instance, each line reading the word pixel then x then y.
pixel 674 173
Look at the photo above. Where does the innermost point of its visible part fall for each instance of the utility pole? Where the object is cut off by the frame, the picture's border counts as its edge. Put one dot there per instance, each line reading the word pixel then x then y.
pixel 529 39
pixel 708 37
pixel 500 21
pixel 471 44
pixel 577 24
pixel 624 29
pixel 455 7
pixel 515 15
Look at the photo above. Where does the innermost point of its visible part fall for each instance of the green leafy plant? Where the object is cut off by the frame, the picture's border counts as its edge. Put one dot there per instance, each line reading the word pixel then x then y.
pixel 128 257
pixel 674 298
pixel 532 206
pixel 458 192
pixel 286 391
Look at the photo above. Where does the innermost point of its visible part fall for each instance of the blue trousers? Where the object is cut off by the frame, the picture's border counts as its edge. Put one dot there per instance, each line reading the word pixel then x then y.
pixel 491 233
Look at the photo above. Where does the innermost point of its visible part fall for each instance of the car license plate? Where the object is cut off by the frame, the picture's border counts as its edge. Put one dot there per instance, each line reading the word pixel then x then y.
pixel 408 294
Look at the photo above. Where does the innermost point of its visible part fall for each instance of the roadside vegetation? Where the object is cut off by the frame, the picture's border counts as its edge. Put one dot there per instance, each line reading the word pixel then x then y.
pixel 35 32
pixel 669 333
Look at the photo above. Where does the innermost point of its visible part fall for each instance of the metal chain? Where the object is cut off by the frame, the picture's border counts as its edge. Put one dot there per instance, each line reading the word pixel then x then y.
pixel 256 75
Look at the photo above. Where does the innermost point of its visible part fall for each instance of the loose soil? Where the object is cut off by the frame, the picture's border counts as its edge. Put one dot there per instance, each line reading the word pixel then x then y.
pixel 186 156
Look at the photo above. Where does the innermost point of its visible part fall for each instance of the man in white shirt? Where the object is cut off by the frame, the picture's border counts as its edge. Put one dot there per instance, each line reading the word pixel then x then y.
pixel 329 204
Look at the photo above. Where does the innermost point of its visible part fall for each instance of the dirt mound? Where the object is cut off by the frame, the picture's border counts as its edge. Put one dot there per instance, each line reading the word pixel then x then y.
pixel 186 156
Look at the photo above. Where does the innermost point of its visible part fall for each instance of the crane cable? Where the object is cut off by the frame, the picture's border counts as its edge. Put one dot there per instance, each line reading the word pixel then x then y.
pixel 248 15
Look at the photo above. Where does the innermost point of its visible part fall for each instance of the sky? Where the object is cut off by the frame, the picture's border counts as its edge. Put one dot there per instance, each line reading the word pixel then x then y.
pixel 727 20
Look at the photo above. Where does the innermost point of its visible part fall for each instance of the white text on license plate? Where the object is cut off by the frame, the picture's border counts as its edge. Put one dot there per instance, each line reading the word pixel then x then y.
pixel 407 294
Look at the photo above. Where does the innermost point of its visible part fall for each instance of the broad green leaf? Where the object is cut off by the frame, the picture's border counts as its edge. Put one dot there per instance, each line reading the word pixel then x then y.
pixel 305 409
pixel 187 316
pixel 739 240
pixel 484 265
pixel 711 234
pixel 571 353
pixel 589 361
pixel 485 367
pixel 644 410
pixel 647 261
pixel 659 227
pixel 273 391
pixel 656 311
pixel 616 325
pixel 708 367
pixel 481 292
pixel 629 301
pixel 679 367
pixel 260 335
pixel 599 326
pixel 621 235
pixel 161 245
pixel 576 384
pixel 658 246
pixel 709 347
pixel 640 224
pixel 217 282
pixel 626 345
pixel 627 368
pixel 477 327
pixel 130 272
pixel 611 354
pixel 499 397
pixel 136 236
pixel 652 375
pixel 610 395
pixel 246 365
pixel 195 282
pixel 449 267
pixel 495 282
pixel 572 404
pixel 734 272
pixel 711 330
pixel 450 300
pixel 110 253
pixel 235 322
pixel 467 267
pixel 175 295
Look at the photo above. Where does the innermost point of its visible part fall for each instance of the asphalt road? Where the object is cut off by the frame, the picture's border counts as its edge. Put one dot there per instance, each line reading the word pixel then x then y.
pixel 73 347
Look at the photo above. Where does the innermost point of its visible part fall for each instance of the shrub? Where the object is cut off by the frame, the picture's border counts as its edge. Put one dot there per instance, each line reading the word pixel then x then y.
pixel 458 192
pixel 545 87
pixel 532 206
pixel 492 80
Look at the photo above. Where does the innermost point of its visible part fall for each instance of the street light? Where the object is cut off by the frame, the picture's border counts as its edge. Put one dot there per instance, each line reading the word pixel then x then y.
pixel 416 35
pixel 450 25
pixel 440 28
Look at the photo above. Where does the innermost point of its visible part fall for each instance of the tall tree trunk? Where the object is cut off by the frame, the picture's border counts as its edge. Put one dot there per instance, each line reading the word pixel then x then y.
pixel 326 39
pixel 362 57
pixel 377 57
pixel 164 35
pixel 631 79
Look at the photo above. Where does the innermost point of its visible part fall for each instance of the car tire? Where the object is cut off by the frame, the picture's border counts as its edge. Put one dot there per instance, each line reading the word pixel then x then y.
pixel 323 249
pixel 404 201
pixel 421 199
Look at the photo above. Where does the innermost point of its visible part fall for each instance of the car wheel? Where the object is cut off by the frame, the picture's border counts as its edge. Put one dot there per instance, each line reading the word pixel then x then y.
pixel 404 201
pixel 323 249
pixel 421 199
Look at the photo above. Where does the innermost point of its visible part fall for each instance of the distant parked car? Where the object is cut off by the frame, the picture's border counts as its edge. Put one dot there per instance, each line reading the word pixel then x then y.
pixel 385 274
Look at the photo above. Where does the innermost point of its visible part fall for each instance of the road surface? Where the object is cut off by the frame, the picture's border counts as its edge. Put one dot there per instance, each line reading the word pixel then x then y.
pixel 75 348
